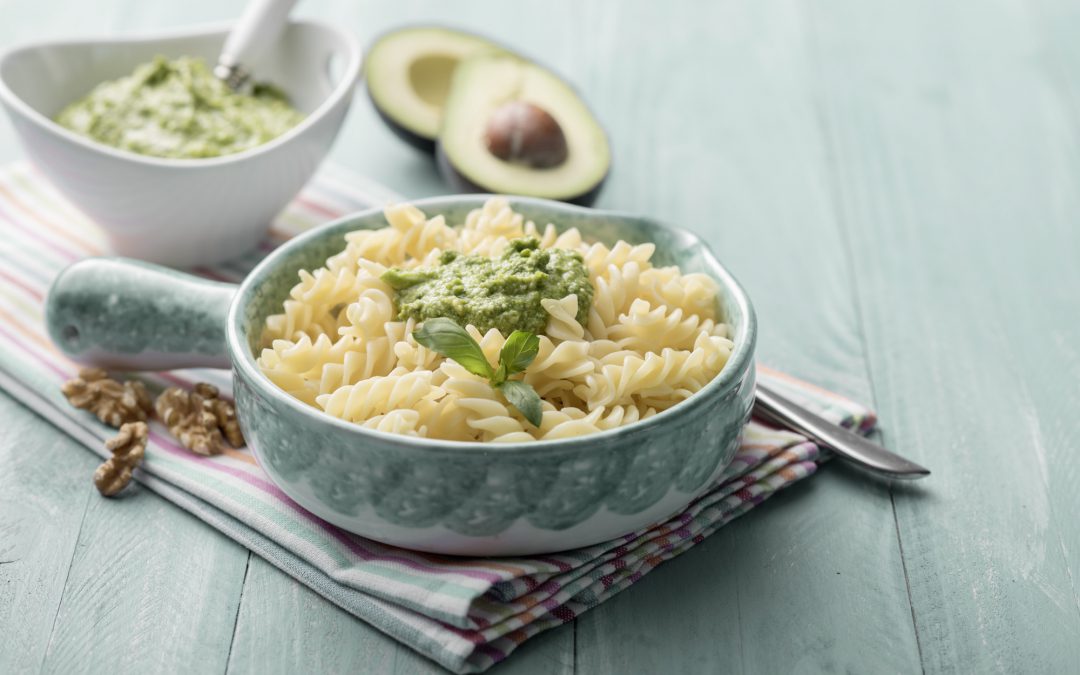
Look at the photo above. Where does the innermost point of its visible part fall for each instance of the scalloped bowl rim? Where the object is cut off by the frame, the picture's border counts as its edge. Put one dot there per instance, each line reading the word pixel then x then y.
pixel 349 76
pixel 736 367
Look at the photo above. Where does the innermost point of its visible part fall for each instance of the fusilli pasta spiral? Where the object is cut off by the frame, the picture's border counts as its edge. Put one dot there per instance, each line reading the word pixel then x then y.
pixel 652 337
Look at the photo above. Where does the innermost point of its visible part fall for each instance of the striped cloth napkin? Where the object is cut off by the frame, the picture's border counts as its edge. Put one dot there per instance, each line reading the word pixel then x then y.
pixel 465 614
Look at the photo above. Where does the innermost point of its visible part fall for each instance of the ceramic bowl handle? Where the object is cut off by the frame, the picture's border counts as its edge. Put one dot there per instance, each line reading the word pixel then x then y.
pixel 131 315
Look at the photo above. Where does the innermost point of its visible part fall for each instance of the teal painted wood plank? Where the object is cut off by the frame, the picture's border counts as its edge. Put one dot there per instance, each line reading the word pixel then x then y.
pixel 955 170
pixel 1056 26
pixel 151 573
pixel 150 589
pixel 809 580
pixel 684 617
pixel 88 583
pixel 44 488
pixel 283 626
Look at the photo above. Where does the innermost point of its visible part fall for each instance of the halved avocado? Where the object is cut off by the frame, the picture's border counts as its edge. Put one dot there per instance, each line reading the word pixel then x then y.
pixel 408 74
pixel 513 127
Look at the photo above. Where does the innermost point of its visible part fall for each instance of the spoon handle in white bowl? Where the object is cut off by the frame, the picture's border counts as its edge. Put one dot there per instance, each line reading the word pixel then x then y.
pixel 850 446
pixel 258 29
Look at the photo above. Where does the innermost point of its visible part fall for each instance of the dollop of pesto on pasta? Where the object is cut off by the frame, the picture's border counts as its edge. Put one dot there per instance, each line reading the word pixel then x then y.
pixel 502 292
pixel 646 339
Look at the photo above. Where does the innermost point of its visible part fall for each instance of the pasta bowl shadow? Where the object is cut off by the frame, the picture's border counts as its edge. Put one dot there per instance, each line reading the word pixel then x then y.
pixel 450 497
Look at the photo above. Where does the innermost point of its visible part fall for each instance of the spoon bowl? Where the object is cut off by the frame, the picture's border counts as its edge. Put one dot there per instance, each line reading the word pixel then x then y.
pixel 180 212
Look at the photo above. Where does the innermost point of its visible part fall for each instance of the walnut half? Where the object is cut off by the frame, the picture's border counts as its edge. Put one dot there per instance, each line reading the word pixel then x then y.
pixel 114 404
pixel 128 449
pixel 200 420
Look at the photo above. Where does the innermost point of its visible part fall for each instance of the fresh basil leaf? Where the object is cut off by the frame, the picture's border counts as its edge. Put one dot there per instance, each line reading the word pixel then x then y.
pixel 523 397
pixel 500 375
pixel 399 279
pixel 452 341
pixel 518 351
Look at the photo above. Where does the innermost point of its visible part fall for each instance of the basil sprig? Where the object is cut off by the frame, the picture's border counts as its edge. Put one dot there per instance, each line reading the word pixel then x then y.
pixel 452 341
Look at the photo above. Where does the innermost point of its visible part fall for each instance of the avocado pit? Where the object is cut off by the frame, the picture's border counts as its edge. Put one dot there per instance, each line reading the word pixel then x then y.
pixel 523 133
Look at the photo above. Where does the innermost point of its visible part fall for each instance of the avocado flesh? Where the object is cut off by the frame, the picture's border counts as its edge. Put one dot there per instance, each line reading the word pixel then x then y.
pixel 484 83
pixel 408 76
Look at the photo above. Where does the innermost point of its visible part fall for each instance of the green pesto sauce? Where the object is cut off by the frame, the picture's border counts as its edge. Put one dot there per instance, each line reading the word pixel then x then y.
pixel 179 109
pixel 503 292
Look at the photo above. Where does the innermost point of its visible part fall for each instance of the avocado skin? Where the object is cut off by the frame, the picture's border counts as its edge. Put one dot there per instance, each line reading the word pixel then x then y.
pixel 460 183
pixel 421 143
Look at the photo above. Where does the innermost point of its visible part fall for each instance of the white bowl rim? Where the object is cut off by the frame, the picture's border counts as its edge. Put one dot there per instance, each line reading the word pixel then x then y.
pixel 346 87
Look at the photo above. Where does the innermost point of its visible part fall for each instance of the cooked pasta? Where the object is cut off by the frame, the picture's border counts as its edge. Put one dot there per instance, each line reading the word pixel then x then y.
pixel 652 337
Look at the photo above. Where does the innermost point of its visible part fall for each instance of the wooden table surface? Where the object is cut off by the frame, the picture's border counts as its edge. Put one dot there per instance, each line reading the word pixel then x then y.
pixel 898 186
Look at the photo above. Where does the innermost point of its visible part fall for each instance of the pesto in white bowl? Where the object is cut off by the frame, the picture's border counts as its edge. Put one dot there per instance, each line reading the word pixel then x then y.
pixel 176 108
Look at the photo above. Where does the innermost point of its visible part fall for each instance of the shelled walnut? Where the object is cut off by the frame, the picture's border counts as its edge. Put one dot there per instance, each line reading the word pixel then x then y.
pixel 128 449
pixel 112 402
pixel 225 412
pixel 200 420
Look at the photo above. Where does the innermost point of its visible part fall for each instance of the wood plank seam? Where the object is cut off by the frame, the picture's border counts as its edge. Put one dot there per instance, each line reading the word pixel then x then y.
pixel 67 575
pixel 738 613
pixel 907 581
pixel 239 604
pixel 573 637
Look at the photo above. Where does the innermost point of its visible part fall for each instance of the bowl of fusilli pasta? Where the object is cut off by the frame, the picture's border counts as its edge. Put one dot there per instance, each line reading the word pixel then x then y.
pixel 641 391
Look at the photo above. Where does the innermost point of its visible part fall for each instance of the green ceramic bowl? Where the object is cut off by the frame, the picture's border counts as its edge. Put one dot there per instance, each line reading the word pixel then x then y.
pixel 440 496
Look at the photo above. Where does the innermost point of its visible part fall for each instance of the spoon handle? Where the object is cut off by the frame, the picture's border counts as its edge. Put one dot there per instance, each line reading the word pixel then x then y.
pixel 259 27
pixel 131 315
pixel 773 407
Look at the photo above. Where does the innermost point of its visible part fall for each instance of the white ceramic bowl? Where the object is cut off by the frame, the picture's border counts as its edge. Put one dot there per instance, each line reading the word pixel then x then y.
pixel 180 212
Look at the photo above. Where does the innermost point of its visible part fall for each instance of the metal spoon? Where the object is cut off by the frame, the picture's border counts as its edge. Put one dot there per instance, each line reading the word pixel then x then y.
pixel 773 407
pixel 257 29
